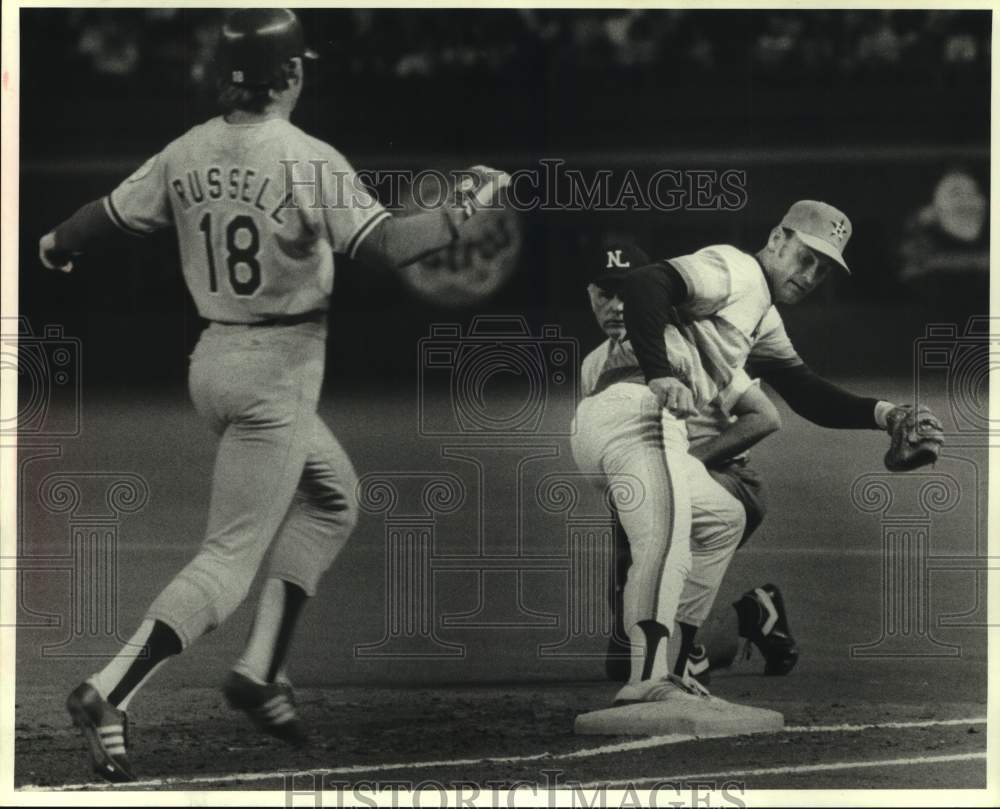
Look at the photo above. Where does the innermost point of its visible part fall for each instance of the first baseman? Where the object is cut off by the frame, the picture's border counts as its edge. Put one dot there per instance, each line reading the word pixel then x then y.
pixel 722 299
pixel 261 209
pixel 642 451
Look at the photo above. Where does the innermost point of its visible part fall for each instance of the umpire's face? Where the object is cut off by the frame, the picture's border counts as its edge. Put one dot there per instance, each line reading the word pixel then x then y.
pixel 794 269
pixel 608 309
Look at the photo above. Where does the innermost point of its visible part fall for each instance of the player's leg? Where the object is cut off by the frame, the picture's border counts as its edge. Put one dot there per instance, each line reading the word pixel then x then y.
pixel 654 507
pixel 617 658
pixel 262 405
pixel 253 485
pixel 317 527
pixel 720 630
pixel 717 524
pixel 759 616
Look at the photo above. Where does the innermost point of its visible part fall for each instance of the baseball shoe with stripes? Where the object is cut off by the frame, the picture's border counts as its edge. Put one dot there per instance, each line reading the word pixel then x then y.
pixel 665 689
pixel 105 729
pixel 697 666
pixel 763 621
pixel 270 706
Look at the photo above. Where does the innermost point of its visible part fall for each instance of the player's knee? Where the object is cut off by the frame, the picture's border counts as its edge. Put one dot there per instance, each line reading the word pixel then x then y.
pixel 229 600
pixel 336 505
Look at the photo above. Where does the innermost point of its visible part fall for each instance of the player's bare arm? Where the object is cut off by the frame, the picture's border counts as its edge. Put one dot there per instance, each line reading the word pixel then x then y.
pixel 756 419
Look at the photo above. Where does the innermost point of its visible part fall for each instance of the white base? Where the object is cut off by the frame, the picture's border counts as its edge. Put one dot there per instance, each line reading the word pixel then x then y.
pixel 706 717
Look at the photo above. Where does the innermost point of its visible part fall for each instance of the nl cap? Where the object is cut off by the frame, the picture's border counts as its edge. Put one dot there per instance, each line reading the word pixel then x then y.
pixel 821 227
pixel 613 261
pixel 255 42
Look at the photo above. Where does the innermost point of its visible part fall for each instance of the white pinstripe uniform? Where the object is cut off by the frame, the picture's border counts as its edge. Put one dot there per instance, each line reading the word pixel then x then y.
pixel 258 259
pixel 622 432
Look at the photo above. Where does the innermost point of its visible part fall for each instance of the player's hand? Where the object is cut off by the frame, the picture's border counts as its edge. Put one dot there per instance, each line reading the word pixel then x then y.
pixel 51 256
pixel 479 188
pixel 673 395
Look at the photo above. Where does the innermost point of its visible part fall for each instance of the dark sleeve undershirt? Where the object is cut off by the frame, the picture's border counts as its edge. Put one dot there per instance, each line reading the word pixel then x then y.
pixel 820 401
pixel 649 294
pixel 88 225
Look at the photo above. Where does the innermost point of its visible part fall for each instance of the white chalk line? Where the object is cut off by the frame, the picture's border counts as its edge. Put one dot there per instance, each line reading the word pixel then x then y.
pixel 790 770
pixel 609 749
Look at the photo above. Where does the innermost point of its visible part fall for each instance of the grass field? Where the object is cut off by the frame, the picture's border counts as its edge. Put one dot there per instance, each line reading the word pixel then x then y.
pixel 513 647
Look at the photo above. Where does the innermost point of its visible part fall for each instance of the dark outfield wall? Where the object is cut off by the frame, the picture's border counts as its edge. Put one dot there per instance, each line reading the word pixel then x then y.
pixel 128 305
pixel 872 140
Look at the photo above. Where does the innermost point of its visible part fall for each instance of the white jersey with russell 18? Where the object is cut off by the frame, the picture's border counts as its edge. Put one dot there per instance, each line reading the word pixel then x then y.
pixel 257 208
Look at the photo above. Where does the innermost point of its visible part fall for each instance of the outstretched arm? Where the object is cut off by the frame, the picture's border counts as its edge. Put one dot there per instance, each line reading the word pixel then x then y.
pixel 775 360
pixel 824 403
pixel 397 241
pixel 401 240
pixel 138 206
pixel 90 224
pixel 756 418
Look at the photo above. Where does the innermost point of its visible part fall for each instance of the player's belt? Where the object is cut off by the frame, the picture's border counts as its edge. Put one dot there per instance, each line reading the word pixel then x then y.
pixel 315 316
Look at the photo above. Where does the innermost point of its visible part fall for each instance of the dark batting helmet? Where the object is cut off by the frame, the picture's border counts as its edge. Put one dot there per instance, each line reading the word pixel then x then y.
pixel 256 42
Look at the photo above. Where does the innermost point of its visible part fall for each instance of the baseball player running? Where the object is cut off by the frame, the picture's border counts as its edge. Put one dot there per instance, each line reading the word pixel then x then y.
pixel 722 299
pixel 715 519
pixel 261 209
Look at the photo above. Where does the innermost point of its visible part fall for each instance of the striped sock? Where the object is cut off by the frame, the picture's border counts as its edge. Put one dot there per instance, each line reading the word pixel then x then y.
pixel 137 661
pixel 270 638
pixel 649 651
pixel 688 633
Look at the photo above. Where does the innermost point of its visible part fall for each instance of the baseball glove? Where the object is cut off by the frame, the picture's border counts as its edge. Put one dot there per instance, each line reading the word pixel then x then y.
pixel 916 438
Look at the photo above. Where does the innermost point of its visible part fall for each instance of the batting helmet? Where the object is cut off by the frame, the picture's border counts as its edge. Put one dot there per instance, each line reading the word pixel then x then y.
pixel 255 42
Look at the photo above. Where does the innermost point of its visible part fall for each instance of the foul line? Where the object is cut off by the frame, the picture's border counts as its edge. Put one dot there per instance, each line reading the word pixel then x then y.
pixel 609 749
pixel 792 770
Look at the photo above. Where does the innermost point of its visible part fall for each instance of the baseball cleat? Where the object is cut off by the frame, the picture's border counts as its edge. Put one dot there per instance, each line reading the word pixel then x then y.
pixel 105 729
pixel 270 706
pixel 697 666
pixel 667 688
pixel 763 621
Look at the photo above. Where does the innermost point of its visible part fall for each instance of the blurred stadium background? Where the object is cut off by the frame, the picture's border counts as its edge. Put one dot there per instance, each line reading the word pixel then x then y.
pixel 867 109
